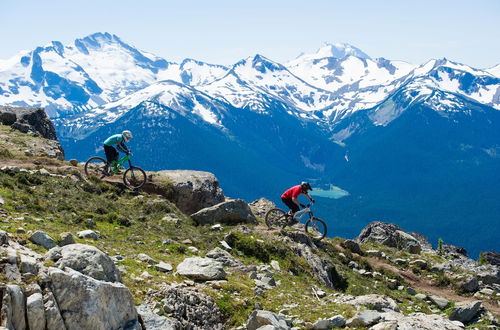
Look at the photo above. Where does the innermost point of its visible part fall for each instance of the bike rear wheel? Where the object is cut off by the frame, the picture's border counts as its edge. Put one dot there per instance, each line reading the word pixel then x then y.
pixel 96 166
pixel 316 228
pixel 276 218
pixel 134 177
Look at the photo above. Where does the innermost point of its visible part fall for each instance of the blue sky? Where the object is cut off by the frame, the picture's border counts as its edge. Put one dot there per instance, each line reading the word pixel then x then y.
pixel 223 32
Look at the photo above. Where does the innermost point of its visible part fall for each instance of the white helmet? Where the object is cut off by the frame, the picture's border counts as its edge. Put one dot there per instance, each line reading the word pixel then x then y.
pixel 127 135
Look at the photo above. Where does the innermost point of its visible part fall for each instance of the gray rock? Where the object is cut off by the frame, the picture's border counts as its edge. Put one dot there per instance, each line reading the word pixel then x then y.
pixel 2 202
pixel 153 321
pixel 469 285
pixel 440 302
pixel 490 275
pixel 375 301
pixel 322 270
pixel 411 291
pixel 421 296
pixel 164 267
pixel 28 264
pixel 390 235
pixel 66 239
pixel 35 312
pixel 4 237
pixel 441 267
pixel 351 246
pixel 386 325
pixel 223 257
pixel 18 306
pixel 364 319
pixel 201 269
pixel 87 260
pixel 465 312
pixel 43 239
pixel 337 321
pixel 374 253
pixel 454 251
pixel 147 259
pixel 87 303
pixel 88 234
pixel 230 212
pixel 52 313
pixel 422 264
pixel 190 191
pixel 260 318
pixel 419 321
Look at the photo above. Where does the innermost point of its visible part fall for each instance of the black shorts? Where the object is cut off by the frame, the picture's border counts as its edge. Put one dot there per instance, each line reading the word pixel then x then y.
pixel 289 202
pixel 111 153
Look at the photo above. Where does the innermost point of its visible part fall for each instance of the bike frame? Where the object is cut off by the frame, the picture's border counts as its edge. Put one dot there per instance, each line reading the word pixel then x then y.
pixel 122 161
pixel 302 213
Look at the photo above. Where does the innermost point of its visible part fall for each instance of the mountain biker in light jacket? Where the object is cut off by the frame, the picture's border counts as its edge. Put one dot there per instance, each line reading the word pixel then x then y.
pixel 289 197
pixel 117 140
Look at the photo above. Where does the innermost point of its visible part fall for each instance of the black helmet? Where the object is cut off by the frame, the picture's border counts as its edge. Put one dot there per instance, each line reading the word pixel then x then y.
pixel 305 186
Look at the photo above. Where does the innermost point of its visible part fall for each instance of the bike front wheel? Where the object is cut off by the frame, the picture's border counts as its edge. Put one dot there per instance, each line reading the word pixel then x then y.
pixel 96 166
pixel 134 177
pixel 316 228
pixel 276 218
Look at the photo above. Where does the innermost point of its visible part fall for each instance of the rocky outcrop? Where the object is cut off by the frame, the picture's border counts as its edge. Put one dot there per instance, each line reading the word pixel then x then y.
pixel 389 234
pixel 323 271
pixel 190 191
pixel 230 212
pixel 63 298
pixel 86 303
pixel 35 122
pixel 201 269
pixel 491 257
pixel 87 260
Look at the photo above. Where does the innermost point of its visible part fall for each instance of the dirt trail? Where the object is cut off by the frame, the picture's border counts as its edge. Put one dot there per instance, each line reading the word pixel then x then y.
pixel 423 284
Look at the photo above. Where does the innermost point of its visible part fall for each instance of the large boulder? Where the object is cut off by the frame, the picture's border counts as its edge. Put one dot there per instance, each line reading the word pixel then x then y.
pixel 465 311
pixel 87 260
pixel 389 234
pixel 374 301
pixel 190 191
pixel 201 269
pixel 230 212
pixel 260 318
pixel 322 270
pixel 86 303
pixel 43 239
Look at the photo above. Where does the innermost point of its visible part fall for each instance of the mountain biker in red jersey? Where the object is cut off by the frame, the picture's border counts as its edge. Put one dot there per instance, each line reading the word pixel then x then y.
pixel 289 197
pixel 118 140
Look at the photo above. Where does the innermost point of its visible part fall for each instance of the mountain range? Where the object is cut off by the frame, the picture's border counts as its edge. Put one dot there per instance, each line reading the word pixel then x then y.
pixel 414 145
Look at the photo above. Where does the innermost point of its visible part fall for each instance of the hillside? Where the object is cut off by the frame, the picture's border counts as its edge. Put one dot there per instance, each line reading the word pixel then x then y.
pixel 213 269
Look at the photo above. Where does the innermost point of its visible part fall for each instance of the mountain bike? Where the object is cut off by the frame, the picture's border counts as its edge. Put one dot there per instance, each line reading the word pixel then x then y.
pixel 313 226
pixel 134 177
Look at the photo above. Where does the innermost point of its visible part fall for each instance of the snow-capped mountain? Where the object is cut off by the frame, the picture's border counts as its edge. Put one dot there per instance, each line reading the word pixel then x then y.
pixel 494 70
pixel 95 70
pixel 334 67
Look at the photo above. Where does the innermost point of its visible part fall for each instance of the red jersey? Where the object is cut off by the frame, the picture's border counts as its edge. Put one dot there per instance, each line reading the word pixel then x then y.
pixel 293 192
